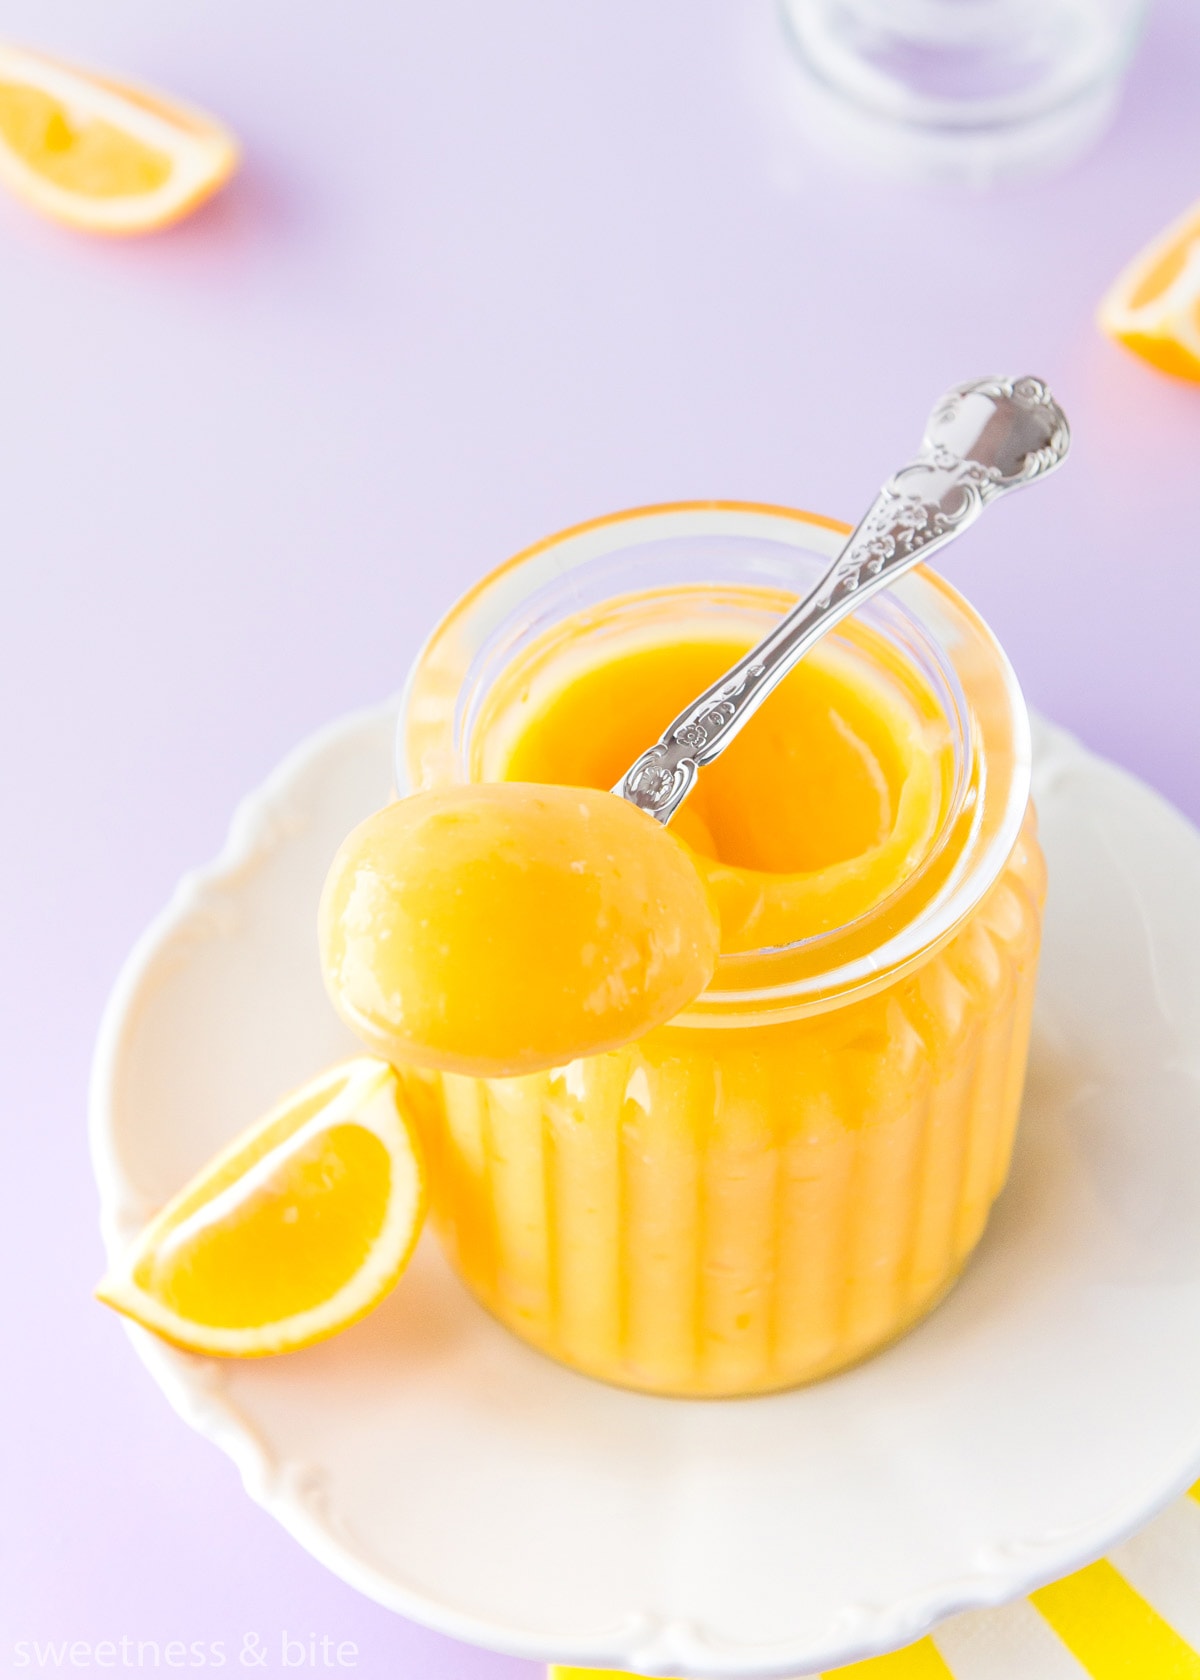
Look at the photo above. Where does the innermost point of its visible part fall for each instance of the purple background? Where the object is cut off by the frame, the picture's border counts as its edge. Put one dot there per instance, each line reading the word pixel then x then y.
pixel 488 270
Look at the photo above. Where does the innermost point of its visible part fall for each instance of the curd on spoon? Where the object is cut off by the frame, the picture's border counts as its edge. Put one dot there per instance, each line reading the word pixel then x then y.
pixel 497 929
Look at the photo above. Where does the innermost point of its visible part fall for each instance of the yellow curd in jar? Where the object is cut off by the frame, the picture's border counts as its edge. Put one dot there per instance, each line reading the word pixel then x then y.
pixel 743 1200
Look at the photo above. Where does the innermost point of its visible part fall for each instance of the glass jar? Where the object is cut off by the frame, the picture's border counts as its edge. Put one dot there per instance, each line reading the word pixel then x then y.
pixel 968 91
pixel 793 1171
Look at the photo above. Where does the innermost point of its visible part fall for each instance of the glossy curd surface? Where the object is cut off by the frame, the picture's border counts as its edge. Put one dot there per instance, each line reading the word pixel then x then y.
pixel 499 928
pixel 725 1207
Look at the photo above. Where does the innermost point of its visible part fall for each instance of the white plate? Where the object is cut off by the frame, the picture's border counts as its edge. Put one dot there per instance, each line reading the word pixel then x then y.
pixel 430 1459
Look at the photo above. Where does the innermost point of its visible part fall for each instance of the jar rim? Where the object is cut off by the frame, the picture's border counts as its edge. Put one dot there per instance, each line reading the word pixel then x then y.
pixel 877 947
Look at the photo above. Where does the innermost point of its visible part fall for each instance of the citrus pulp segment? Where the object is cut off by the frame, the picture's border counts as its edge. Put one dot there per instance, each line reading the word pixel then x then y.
pixel 295 1230
pixel 1153 307
pixel 101 156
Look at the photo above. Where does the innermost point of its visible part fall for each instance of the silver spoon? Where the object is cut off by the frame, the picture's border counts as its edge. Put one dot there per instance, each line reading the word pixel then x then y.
pixel 982 440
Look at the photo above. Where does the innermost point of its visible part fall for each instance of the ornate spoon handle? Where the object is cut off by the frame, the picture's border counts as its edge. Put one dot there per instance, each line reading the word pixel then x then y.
pixel 982 440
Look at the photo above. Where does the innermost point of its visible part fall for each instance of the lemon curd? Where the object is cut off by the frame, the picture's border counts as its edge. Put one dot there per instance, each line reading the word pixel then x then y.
pixel 500 928
pixel 823 804
pixel 795 1168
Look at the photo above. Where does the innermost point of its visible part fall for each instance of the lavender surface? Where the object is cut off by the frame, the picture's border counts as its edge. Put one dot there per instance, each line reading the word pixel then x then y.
pixel 488 271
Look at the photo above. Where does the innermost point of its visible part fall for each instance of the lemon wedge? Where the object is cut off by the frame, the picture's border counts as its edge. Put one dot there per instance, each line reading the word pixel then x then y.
pixel 294 1231
pixel 102 156
pixel 1153 307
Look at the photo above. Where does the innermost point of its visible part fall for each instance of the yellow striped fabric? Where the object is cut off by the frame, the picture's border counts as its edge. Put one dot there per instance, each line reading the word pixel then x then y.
pixel 1135 1615
pixel 921 1661
pixel 1112 1630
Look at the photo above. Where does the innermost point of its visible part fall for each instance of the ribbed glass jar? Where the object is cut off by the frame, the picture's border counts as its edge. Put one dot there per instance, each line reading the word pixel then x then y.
pixel 791 1173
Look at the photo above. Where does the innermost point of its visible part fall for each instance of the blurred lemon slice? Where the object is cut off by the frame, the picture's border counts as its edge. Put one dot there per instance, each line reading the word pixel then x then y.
pixel 1153 307
pixel 298 1228
pixel 101 156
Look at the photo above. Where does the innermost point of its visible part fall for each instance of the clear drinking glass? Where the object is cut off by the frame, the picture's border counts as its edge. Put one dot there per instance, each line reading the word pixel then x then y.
pixel 973 90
